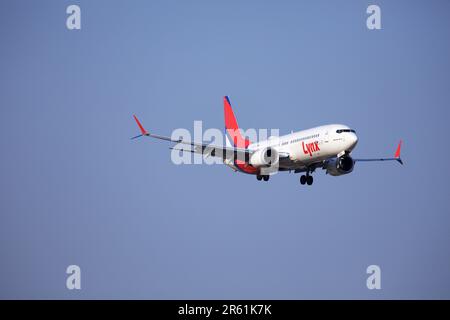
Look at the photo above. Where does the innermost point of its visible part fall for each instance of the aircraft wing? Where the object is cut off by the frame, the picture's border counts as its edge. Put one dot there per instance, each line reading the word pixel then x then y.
pixel 213 151
pixel 396 156
pixel 200 148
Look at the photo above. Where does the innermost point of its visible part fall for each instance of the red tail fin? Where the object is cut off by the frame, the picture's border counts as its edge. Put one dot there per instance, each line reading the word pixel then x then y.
pixel 232 127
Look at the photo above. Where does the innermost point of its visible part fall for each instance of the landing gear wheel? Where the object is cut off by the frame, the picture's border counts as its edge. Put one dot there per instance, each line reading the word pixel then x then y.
pixel 266 178
pixel 303 179
pixel 309 180
pixel 259 177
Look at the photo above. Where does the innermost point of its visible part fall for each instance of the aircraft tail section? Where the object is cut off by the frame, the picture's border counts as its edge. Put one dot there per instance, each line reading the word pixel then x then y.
pixel 232 127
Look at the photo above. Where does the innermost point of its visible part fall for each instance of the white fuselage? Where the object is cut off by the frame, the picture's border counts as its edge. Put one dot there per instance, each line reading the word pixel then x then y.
pixel 311 145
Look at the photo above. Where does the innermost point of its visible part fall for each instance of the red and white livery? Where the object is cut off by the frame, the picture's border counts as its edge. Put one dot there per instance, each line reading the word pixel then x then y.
pixel 326 147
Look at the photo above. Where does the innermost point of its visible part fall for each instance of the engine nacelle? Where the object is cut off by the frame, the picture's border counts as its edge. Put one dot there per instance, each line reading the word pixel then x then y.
pixel 266 157
pixel 340 166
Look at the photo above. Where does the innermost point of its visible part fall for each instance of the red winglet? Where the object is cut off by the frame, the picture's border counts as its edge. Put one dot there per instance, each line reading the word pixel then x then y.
pixel 143 131
pixel 397 152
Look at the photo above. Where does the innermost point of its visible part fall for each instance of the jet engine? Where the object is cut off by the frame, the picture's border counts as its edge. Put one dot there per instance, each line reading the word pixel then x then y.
pixel 340 166
pixel 265 157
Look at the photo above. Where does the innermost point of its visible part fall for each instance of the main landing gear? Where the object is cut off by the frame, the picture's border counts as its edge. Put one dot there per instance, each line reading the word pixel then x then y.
pixel 308 179
pixel 260 177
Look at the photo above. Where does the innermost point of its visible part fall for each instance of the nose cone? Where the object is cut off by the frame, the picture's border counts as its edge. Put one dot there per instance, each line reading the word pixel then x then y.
pixel 352 140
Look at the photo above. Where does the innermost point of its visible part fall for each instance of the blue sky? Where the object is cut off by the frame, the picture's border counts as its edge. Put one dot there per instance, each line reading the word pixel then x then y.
pixel 76 190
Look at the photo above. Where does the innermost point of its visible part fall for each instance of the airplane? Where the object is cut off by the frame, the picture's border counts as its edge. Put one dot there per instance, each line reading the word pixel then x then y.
pixel 327 147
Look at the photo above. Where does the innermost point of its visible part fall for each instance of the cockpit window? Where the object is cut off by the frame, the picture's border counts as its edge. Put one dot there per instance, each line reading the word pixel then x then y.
pixel 345 130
